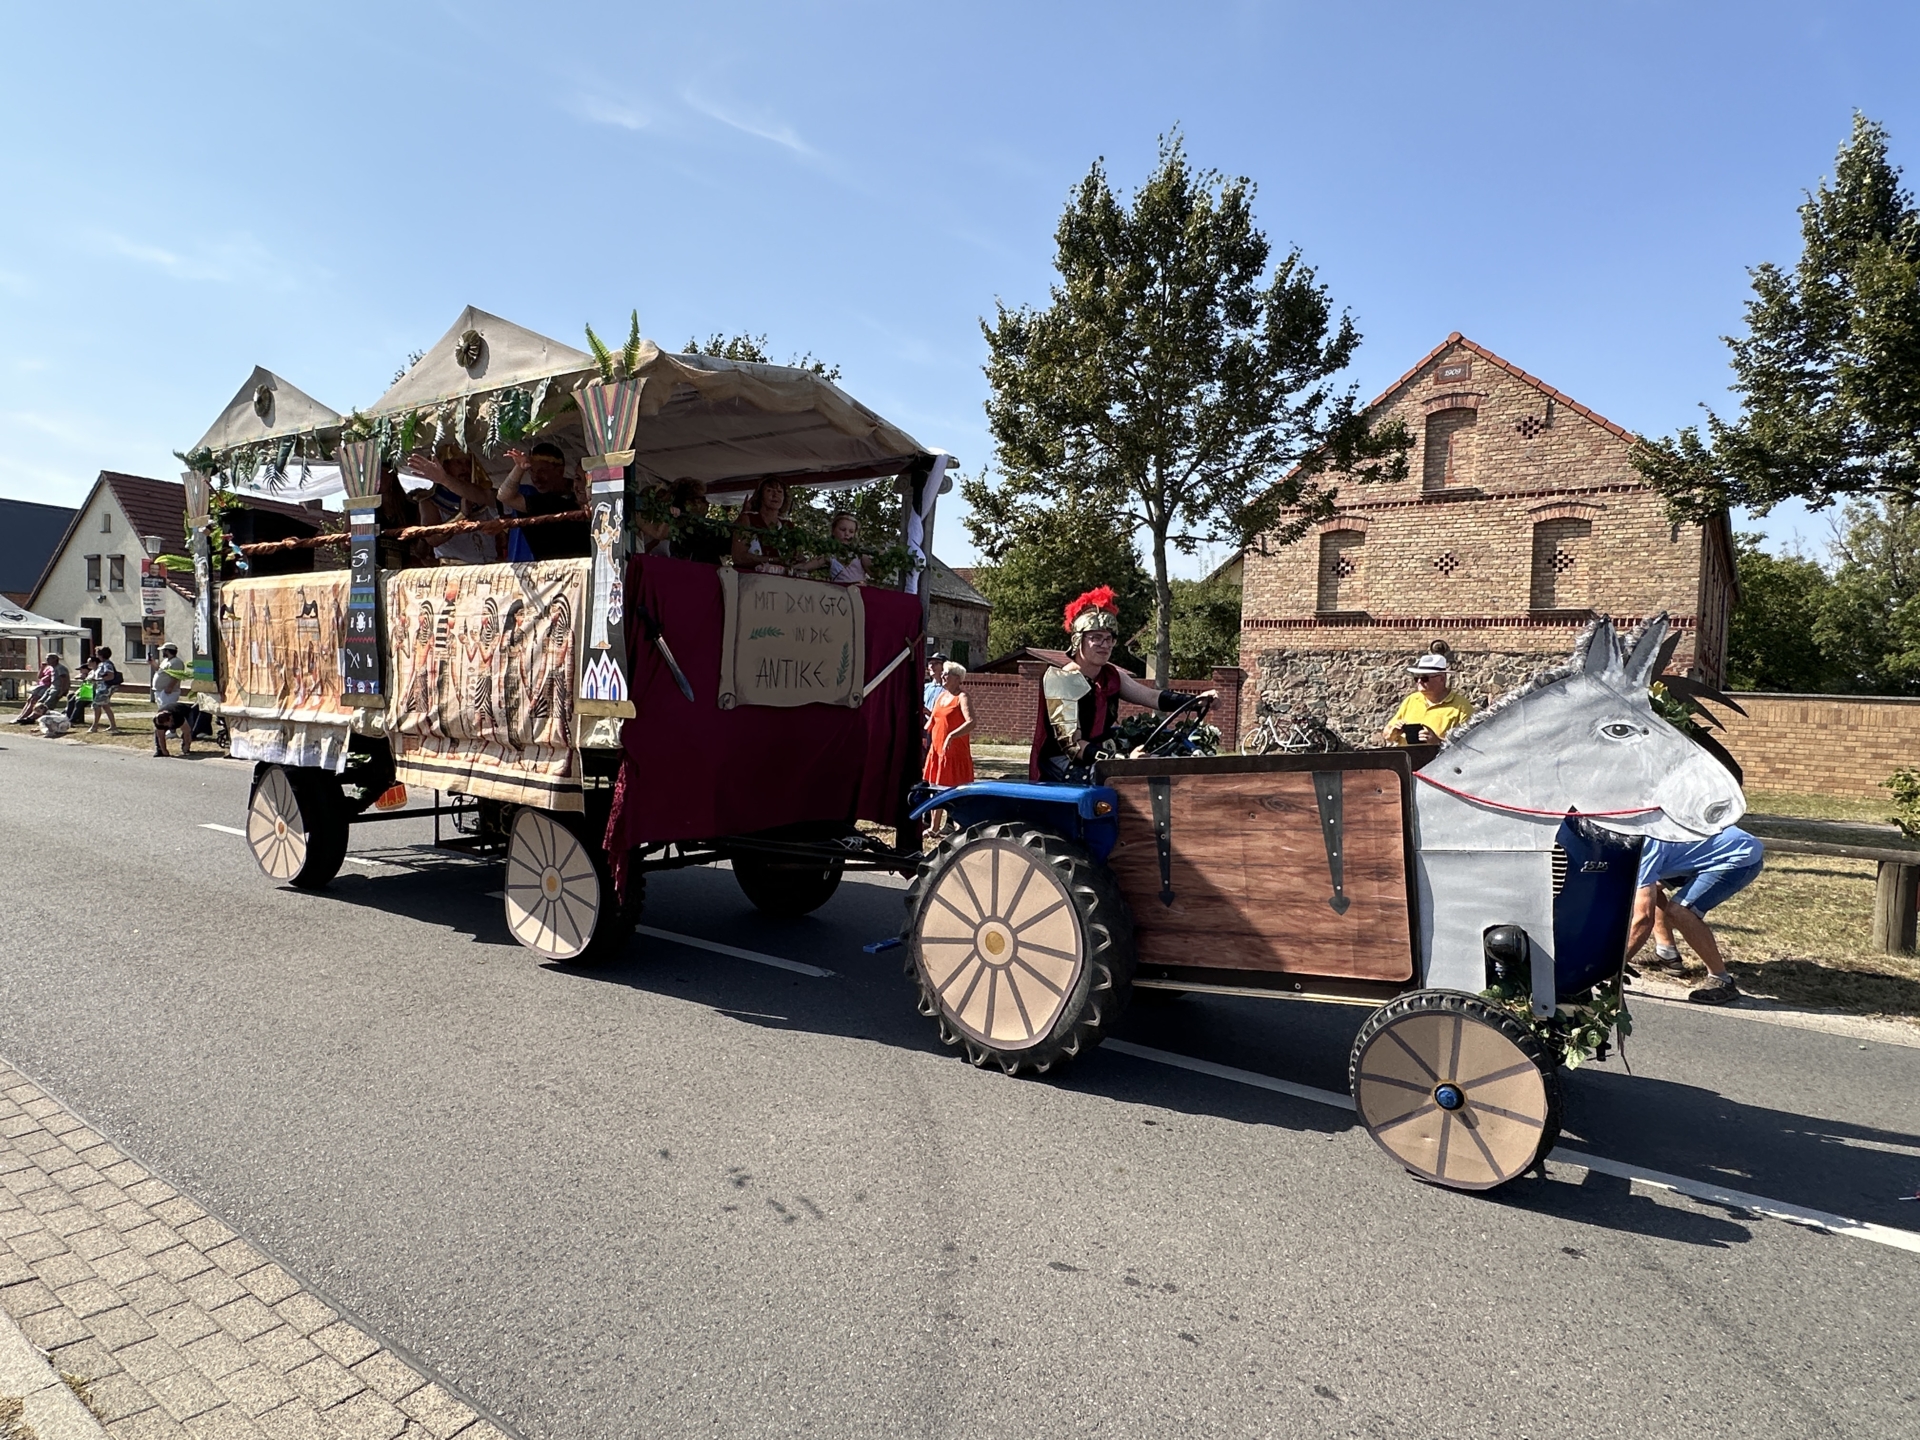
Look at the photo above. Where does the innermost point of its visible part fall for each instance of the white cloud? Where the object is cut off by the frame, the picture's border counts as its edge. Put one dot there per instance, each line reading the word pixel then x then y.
pixel 236 259
pixel 772 131
pixel 603 110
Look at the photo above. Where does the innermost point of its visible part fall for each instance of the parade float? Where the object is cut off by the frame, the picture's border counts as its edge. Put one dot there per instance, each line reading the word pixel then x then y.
pixel 593 719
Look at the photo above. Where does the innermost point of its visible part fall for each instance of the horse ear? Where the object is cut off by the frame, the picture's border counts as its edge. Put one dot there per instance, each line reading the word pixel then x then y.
pixel 1602 656
pixel 1645 659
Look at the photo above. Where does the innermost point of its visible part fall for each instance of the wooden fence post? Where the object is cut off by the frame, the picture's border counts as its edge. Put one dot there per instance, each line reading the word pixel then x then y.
pixel 1895 899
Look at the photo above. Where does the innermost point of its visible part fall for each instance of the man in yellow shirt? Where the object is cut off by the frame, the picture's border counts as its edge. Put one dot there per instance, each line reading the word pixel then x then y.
pixel 1434 707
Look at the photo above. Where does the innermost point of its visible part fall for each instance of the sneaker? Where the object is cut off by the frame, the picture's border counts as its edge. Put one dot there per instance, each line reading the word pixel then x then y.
pixel 1660 965
pixel 1719 990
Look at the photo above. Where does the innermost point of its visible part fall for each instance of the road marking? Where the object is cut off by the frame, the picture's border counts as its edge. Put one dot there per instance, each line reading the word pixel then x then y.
pixel 225 830
pixel 1227 1072
pixel 1660 1180
pixel 349 859
pixel 1758 1204
pixel 776 961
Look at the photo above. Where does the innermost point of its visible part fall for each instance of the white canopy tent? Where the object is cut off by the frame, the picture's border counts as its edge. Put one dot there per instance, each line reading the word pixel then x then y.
pixel 17 624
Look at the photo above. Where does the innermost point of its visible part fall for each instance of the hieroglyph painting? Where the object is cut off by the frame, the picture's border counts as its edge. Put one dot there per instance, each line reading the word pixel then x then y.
pixel 281 682
pixel 790 642
pixel 484 667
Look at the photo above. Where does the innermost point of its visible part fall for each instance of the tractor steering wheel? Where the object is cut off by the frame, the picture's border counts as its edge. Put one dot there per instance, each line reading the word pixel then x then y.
pixel 1200 704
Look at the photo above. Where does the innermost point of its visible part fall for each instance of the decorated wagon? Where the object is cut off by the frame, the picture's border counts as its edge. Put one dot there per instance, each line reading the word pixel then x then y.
pixel 542 702
pixel 1478 903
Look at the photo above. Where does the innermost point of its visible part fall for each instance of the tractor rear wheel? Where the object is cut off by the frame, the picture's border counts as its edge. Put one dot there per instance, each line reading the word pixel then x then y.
pixel 1020 945
pixel 1455 1089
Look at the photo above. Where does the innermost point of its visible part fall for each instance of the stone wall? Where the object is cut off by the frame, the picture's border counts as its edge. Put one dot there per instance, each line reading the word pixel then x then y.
pixel 1355 691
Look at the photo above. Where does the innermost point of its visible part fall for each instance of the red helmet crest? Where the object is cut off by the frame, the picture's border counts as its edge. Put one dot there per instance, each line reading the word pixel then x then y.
pixel 1095 610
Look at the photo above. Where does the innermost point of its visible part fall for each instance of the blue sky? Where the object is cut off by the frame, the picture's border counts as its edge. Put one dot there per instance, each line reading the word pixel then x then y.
pixel 192 189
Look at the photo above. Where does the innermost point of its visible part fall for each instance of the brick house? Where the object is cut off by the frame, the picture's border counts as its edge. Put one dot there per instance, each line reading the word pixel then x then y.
pixel 1520 519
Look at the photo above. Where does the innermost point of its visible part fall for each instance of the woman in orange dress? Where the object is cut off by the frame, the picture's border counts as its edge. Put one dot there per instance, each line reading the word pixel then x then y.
pixel 949 750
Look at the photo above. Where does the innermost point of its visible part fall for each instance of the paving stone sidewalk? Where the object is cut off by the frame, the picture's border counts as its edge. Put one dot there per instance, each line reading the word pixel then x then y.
pixel 167 1323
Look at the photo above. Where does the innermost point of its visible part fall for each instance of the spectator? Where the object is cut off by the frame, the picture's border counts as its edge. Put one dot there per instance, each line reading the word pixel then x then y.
pixel 1433 708
pixel 1704 873
pixel 49 693
pixel 105 677
pixel 170 708
pixel 949 750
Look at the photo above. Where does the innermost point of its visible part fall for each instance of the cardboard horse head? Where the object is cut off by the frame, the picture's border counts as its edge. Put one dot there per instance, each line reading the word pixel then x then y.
pixel 1584 738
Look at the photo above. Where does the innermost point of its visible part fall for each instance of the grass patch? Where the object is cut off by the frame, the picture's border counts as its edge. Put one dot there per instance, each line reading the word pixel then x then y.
pixel 1820 807
pixel 1802 934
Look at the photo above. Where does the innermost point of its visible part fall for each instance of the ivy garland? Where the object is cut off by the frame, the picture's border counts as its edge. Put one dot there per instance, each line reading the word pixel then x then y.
pixel 885 565
pixel 1577 1031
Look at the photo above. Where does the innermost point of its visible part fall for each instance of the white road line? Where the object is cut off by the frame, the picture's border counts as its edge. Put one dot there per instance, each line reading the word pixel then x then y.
pixel 1227 1072
pixel 225 830
pixel 350 859
pixel 777 962
pixel 1679 1184
pixel 1759 1204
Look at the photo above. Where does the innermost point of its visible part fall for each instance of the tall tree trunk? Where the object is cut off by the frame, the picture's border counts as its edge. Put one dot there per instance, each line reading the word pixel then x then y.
pixel 1162 610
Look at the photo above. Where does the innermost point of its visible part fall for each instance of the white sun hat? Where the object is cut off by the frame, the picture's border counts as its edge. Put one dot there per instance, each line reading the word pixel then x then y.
pixel 1429 665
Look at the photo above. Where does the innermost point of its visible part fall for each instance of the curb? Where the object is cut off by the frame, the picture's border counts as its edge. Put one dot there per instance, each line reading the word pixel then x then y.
pixel 49 1408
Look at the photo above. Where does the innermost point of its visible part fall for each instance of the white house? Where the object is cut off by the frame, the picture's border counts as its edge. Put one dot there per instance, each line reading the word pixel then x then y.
pixel 93 577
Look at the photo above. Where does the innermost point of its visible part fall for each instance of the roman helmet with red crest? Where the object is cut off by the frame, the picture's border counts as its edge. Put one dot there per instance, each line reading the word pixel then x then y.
pixel 1096 609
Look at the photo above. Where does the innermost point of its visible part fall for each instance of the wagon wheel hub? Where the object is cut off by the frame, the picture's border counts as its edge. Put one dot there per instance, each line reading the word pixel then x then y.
pixel 996 942
pixel 1449 1097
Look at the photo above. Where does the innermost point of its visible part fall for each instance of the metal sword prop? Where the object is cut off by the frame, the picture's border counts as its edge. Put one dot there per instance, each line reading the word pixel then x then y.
pixel 659 639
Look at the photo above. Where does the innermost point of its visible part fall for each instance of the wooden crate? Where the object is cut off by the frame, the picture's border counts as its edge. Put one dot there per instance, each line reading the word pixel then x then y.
pixel 1250 879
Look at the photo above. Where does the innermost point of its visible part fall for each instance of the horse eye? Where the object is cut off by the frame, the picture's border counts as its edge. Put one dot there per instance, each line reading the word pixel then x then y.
pixel 1619 731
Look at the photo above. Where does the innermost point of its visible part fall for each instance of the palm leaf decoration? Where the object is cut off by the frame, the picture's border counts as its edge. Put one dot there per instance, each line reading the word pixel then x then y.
pixel 630 355
pixel 602 356
pixel 614 367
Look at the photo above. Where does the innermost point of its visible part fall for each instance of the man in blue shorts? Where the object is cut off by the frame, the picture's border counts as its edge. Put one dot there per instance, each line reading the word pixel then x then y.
pixel 1702 873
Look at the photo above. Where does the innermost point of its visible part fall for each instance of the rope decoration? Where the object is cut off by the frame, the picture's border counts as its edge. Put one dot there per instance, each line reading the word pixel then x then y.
pixel 433 534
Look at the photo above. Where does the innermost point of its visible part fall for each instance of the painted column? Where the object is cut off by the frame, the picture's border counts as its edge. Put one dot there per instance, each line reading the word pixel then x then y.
pixel 360 473
pixel 610 411
pixel 206 670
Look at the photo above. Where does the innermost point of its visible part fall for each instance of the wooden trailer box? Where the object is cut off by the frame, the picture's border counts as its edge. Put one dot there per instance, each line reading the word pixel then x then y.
pixel 1279 872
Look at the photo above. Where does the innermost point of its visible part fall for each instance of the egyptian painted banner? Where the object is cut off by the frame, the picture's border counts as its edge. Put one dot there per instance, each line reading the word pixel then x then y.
pixel 790 642
pixel 280 683
pixel 483 670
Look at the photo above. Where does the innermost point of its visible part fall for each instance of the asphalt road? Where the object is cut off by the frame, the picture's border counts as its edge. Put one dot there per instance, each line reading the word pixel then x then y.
pixel 693 1195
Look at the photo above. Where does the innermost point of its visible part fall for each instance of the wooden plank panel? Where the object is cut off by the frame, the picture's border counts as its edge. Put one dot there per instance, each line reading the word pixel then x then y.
pixel 1250 878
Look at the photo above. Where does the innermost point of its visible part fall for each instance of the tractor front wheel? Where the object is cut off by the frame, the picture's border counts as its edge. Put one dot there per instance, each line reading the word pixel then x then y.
pixel 1020 945
pixel 1455 1089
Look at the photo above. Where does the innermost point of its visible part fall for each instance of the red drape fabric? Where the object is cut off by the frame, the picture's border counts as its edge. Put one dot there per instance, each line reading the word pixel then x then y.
pixel 692 771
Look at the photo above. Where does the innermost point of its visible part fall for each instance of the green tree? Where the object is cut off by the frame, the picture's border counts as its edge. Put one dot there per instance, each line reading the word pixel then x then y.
pixel 1038 558
pixel 1206 627
pixel 1828 373
pixel 1869 620
pixel 1177 377
pixel 1770 644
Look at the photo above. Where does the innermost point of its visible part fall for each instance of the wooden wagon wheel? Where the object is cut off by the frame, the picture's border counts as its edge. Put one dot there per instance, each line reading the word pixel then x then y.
pixel 1020 946
pixel 296 826
pixel 553 891
pixel 1455 1089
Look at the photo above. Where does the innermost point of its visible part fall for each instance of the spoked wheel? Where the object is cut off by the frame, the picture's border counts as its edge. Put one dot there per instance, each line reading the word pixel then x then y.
pixel 1455 1089
pixel 297 825
pixel 559 891
pixel 1020 946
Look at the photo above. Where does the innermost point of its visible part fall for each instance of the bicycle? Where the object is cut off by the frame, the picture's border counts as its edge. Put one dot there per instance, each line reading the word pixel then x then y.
pixel 1289 732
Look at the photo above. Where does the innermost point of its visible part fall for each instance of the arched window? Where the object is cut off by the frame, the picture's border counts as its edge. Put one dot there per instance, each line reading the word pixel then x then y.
pixel 1561 573
pixel 1341 574
pixel 1448 460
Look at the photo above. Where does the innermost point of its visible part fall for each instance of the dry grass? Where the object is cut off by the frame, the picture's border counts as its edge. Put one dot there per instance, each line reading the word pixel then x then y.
pixel 1820 807
pixel 1802 934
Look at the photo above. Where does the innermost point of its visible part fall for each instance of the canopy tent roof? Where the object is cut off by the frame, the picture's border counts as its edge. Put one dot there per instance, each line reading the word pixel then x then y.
pixel 266 408
pixel 499 354
pixel 726 422
pixel 15 621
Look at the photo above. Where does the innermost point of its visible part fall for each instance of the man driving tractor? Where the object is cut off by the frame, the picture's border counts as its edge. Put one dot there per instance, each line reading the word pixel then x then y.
pixel 1080 701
